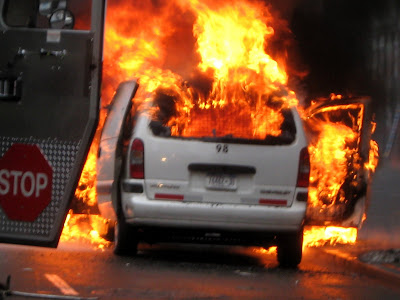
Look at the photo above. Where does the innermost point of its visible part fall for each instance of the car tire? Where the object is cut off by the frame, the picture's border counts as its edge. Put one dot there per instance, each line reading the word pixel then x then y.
pixel 290 249
pixel 125 239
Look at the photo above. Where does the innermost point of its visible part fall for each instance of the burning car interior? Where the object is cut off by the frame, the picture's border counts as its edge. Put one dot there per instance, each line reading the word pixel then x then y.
pixel 334 194
pixel 227 124
pixel 232 72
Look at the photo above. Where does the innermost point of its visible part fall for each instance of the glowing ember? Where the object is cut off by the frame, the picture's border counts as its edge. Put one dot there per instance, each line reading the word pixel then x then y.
pixel 335 97
pixel 321 235
pixel 270 250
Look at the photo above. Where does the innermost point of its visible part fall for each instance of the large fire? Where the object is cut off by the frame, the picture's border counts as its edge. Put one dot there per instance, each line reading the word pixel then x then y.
pixel 218 58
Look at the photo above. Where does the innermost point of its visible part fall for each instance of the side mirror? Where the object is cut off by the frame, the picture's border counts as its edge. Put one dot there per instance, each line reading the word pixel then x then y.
pixel 62 19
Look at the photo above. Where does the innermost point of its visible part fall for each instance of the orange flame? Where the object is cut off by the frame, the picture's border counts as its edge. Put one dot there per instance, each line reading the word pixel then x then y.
pixel 84 228
pixel 329 157
pixel 373 153
pixel 228 70
pixel 86 188
pixel 321 235
pixel 337 168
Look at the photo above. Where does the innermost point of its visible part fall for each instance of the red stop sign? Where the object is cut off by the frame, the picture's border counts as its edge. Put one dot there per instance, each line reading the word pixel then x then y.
pixel 25 182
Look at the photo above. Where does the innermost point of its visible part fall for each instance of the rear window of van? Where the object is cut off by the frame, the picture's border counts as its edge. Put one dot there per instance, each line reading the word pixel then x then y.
pixel 269 125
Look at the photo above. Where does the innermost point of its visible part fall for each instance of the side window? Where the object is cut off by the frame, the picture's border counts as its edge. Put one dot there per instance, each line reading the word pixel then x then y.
pixel 56 14
pixel 20 13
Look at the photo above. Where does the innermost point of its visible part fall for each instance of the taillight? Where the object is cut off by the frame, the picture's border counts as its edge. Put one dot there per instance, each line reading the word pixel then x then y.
pixel 136 162
pixel 303 175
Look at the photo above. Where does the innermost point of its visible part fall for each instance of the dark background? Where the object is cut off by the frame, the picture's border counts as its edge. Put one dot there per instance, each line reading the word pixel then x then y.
pixel 349 47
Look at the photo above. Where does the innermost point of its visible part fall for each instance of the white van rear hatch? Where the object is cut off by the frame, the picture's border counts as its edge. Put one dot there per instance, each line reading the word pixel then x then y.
pixel 210 168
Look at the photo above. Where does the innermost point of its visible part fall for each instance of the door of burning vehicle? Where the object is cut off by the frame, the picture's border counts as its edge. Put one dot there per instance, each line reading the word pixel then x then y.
pixel 50 71
pixel 342 161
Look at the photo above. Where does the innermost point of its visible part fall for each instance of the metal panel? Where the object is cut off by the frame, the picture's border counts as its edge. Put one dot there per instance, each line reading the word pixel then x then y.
pixel 385 68
pixel 108 162
pixel 55 107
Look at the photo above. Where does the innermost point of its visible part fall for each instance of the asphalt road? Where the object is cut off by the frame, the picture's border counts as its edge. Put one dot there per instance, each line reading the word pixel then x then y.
pixel 182 272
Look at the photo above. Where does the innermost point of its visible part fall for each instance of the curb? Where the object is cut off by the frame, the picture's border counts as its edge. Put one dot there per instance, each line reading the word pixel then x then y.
pixel 376 271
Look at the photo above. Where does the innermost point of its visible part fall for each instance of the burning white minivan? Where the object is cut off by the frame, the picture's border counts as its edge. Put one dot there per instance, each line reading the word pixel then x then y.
pixel 204 181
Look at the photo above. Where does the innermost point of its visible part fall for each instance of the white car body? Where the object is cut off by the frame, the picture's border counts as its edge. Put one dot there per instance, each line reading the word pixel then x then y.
pixel 175 192
pixel 254 186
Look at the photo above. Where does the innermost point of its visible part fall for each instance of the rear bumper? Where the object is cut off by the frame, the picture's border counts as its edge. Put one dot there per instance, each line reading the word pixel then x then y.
pixel 140 211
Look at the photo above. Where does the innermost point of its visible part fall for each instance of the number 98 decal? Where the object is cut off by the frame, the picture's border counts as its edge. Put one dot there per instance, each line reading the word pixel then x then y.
pixel 222 148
